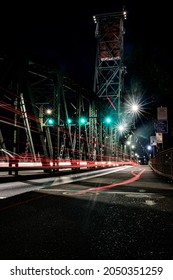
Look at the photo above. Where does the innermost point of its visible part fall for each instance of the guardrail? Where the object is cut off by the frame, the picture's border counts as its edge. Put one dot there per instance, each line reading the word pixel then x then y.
pixel 162 163
pixel 14 166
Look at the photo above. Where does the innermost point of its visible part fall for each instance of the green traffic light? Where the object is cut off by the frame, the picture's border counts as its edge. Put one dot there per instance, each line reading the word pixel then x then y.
pixel 69 121
pixel 82 120
pixel 108 120
pixel 50 121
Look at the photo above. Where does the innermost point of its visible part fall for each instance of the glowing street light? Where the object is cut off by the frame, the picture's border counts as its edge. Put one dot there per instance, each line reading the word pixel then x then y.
pixel 121 128
pixel 49 111
pixel 149 148
pixel 134 105
pixel 135 108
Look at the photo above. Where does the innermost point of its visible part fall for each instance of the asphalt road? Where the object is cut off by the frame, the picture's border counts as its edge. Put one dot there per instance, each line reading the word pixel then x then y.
pixel 122 215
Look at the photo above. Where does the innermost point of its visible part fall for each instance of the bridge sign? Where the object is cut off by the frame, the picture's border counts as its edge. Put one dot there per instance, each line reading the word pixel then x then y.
pixel 162 126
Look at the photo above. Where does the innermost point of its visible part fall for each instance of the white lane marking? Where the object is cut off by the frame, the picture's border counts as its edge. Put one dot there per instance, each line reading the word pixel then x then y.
pixel 77 177
pixel 18 187
pixel 137 195
pixel 127 194
pixel 150 202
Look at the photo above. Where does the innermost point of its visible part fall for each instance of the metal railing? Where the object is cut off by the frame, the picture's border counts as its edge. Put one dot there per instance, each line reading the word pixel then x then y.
pixel 162 163
pixel 15 166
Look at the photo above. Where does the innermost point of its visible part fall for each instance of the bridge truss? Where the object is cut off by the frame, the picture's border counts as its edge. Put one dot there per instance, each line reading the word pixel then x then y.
pixel 110 70
pixel 28 88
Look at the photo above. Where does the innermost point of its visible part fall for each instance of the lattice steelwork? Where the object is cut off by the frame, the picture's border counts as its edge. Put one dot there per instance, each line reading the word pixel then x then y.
pixel 26 93
pixel 42 87
pixel 109 77
pixel 109 69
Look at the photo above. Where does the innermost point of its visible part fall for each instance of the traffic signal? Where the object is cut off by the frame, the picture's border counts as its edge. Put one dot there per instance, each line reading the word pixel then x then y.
pixel 50 121
pixel 69 121
pixel 82 120
pixel 108 120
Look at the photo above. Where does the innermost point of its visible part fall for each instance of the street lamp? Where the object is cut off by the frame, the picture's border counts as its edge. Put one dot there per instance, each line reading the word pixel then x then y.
pixel 135 108
pixel 149 148
pixel 121 128
pixel 48 111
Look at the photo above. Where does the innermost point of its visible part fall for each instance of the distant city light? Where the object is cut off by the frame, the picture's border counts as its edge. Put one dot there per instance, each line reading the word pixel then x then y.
pixel 125 14
pixel 94 18
pixel 149 148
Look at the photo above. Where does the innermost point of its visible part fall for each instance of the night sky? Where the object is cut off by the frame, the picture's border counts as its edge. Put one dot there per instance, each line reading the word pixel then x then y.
pixel 63 33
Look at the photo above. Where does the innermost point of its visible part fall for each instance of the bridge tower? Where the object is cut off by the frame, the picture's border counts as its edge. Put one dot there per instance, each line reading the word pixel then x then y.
pixel 109 71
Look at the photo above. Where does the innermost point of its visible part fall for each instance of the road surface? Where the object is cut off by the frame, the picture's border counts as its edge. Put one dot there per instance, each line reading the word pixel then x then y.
pixel 125 213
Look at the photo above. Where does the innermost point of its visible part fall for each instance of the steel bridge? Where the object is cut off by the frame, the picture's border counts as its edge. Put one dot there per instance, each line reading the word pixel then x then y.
pixel 31 89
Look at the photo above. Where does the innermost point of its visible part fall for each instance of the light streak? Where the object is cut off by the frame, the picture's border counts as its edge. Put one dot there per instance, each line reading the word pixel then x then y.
pixel 128 181
pixel 110 101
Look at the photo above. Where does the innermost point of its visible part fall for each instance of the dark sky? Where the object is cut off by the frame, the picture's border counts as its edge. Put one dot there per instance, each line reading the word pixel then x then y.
pixel 63 33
